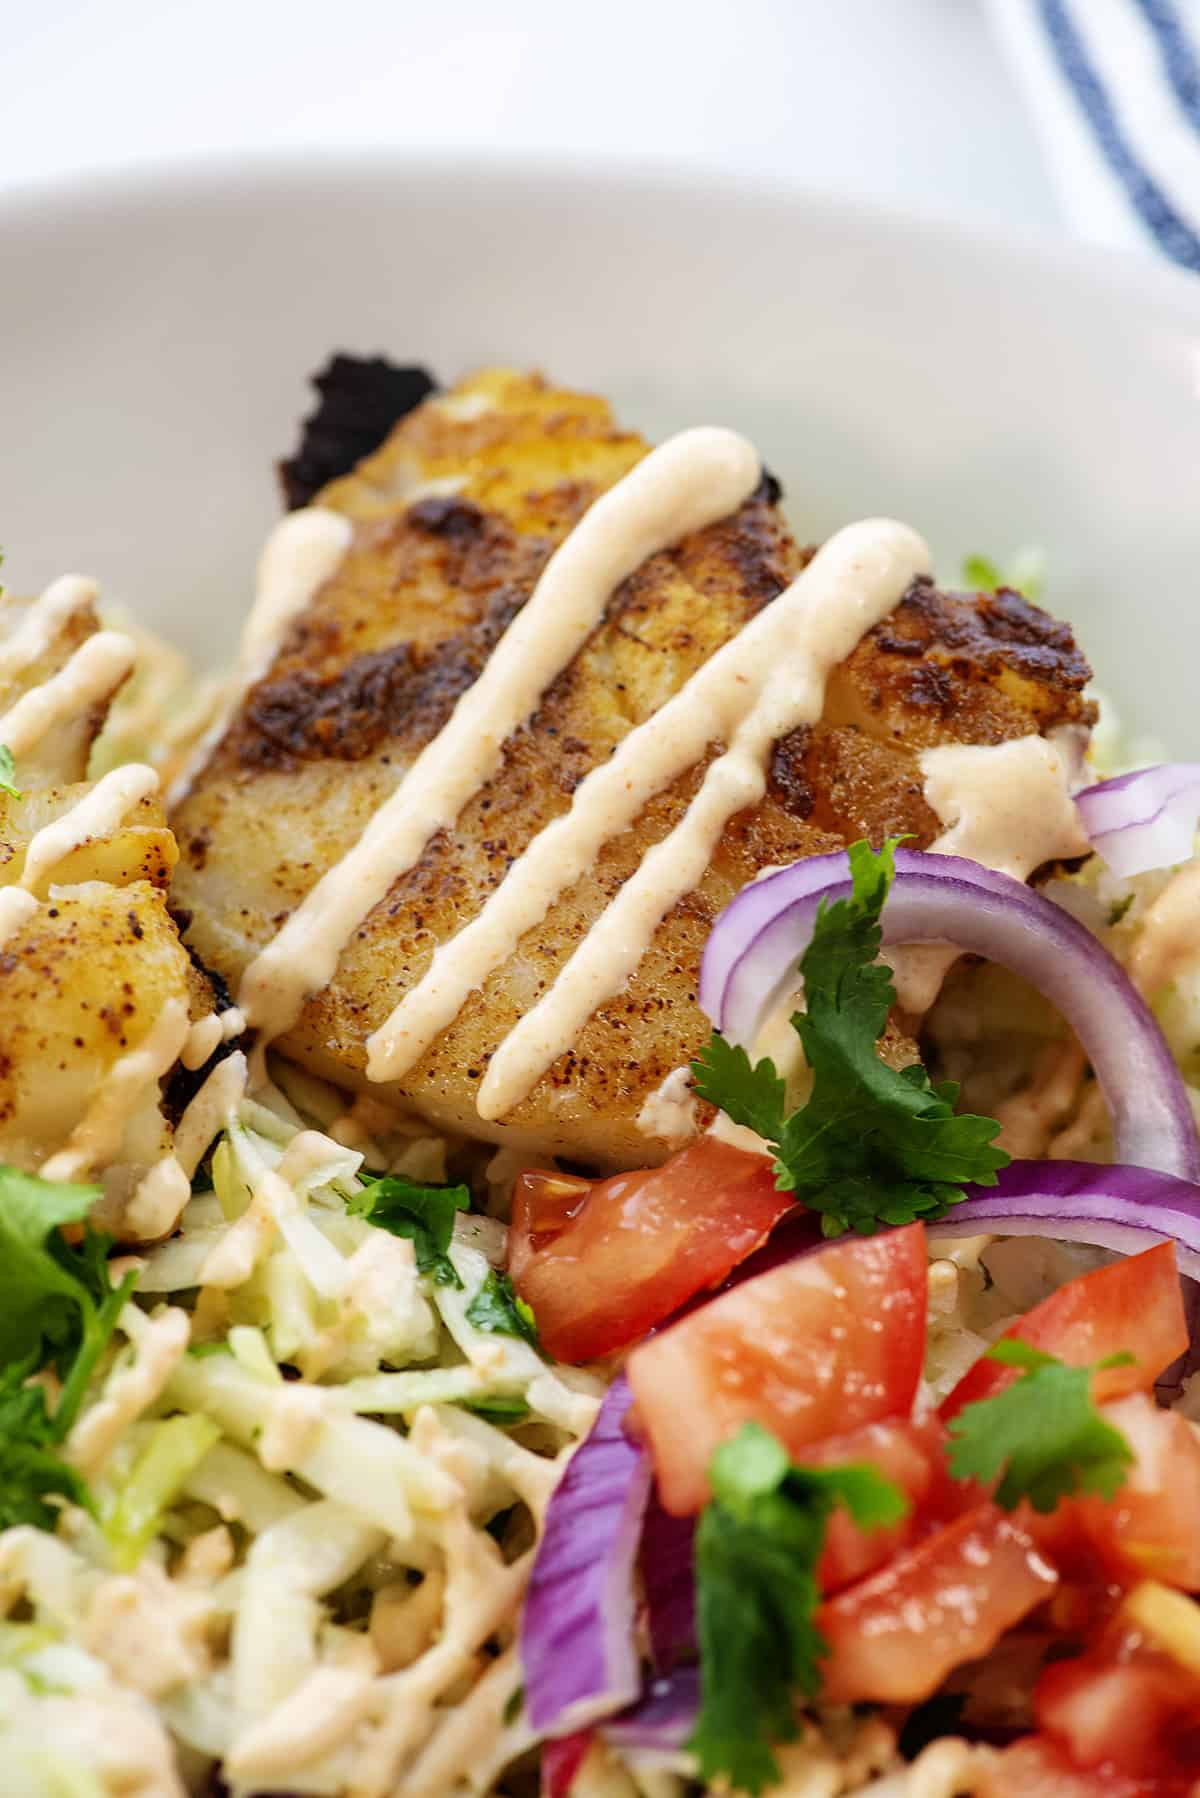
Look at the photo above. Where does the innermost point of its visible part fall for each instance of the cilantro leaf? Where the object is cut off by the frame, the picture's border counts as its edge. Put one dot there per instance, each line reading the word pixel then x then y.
pixel 757 1548
pixel 29 1469
pixel 872 1145
pixel 423 1214
pixel 498 1311
pixel 1043 1433
pixel 8 769
pixel 1024 574
pixel 57 1305
pixel 749 1093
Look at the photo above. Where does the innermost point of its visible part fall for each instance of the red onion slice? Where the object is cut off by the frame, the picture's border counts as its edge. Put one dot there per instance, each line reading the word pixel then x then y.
pixel 662 1721
pixel 577 1633
pixel 758 940
pixel 1125 1209
pixel 668 1567
pixel 1143 820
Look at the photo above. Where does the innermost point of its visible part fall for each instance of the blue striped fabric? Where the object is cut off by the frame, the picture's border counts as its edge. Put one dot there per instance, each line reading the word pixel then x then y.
pixel 1154 206
pixel 1114 87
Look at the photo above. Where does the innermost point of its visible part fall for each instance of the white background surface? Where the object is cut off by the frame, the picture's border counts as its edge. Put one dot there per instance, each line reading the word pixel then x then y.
pixel 903 100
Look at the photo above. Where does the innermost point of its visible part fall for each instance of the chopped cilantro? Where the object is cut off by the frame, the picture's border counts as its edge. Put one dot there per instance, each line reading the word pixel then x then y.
pixel 1024 575
pixel 1119 908
pixel 58 1306
pixel 1043 1432
pixel 423 1214
pixel 497 1409
pixel 29 1469
pixel 873 1145
pixel 8 769
pixel 514 1705
pixel 757 1547
pixel 497 1310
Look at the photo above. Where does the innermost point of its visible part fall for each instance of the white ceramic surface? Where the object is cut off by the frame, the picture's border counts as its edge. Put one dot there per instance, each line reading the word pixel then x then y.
pixel 155 335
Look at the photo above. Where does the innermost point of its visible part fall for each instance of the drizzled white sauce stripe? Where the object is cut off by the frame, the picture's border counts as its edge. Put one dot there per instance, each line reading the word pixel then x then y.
pixel 41 623
pixel 97 1136
pixel 93 673
pixel 689 482
pixel 16 909
pixel 96 815
pixel 760 686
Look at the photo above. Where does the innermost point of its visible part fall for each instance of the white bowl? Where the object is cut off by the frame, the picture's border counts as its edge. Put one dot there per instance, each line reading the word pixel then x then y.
pixel 156 332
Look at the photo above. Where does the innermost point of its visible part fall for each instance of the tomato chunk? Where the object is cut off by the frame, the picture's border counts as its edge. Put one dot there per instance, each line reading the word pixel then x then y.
pixel 1149 1530
pixel 823 1344
pixel 1036 1768
pixel 894 1637
pixel 1133 1306
pixel 603 1262
pixel 912 1455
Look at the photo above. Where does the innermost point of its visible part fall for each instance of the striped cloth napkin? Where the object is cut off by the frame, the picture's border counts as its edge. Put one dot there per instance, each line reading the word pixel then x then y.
pixel 1113 87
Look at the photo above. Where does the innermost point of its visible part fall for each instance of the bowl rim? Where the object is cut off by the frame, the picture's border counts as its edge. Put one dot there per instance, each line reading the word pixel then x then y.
pixel 208 177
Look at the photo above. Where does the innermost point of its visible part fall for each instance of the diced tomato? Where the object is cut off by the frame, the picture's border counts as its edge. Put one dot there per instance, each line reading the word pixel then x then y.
pixel 1133 1306
pixel 1036 1768
pixel 895 1636
pixel 603 1262
pixel 826 1343
pixel 1150 1530
pixel 913 1456
pixel 1123 1706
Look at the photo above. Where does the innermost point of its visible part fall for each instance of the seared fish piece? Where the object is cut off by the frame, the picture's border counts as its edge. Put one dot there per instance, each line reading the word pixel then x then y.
pixel 454 518
pixel 92 971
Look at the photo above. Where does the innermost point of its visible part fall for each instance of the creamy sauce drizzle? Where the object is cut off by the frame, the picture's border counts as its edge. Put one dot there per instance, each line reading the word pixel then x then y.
pixel 17 907
pixel 1007 806
pixel 689 482
pixel 163 1192
pixel 42 622
pixel 757 687
pixel 763 683
pixel 671 1113
pixel 299 556
pixel 93 673
pixel 97 814
pixel 96 1138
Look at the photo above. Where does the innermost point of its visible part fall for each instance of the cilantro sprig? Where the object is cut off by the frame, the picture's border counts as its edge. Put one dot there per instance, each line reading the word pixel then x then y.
pixel 423 1214
pixel 58 1308
pixel 873 1145
pixel 1043 1434
pixel 8 769
pixel 497 1310
pixel 757 1548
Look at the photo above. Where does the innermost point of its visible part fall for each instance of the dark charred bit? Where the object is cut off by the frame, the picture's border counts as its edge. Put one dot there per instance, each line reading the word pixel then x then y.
pixel 348 715
pixel 360 399
pixel 989 631
pixel 446 515
pixel 789 779
pixel 182 1084
pixel 770 488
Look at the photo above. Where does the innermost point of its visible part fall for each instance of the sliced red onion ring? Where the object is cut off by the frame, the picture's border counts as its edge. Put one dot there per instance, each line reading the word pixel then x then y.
pixel 668 1567
pixel 1126 1209
pixel 662 1721
pixel 1143 820
pixel 577 1633
pixel 757 942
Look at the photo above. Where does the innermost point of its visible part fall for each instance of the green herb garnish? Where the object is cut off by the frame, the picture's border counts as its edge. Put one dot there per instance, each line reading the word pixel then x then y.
pixel 8 770
pixel 757 1548
pixel 497 1310
pixel 872 1145
pixel 1043 1433
pixel 423 1214
pixel 58 1306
